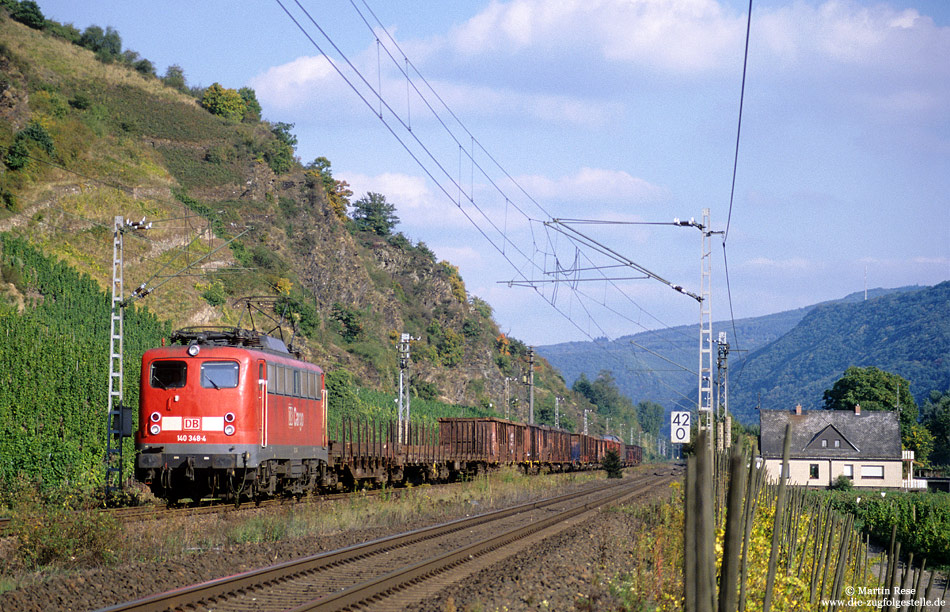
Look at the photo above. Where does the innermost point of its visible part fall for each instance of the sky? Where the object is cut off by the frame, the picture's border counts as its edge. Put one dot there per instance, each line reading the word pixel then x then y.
pixel 486 121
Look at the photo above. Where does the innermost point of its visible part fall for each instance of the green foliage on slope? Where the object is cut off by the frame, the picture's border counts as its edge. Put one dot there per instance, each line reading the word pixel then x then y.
pixel 906 333
pixel 54 368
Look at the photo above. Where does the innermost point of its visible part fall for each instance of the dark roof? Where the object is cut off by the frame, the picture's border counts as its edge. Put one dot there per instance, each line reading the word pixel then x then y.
pixel 869 435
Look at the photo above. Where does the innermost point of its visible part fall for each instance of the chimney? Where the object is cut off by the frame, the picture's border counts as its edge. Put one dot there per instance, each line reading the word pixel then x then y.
pixel 798 410
pixel 857 410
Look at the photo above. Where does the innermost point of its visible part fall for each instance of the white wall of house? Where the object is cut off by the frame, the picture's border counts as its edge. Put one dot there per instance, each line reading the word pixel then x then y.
pixel 823 472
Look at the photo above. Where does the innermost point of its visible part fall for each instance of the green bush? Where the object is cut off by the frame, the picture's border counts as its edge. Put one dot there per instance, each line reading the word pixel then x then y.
pixel 224 102
pixel 341 390
pixel 842 483
pixel 350 320
pixel 80 101
pixel 279 152
pixel 18 153
pixel 215 294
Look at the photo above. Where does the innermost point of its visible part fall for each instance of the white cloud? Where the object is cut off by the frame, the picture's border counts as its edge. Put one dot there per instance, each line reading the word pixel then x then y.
pixel 406 191
pixel 843 32
pixel 311 82
pixel 934 261
pixel 296 83
pixel 794 264
pixel 462 256
pixel 680 35
pixel 593 185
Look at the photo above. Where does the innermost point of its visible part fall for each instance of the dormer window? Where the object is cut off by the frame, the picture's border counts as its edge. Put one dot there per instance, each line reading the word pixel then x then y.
pixel 824 443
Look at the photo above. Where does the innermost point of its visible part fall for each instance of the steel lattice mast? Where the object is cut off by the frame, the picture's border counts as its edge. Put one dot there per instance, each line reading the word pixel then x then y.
pixel 116 368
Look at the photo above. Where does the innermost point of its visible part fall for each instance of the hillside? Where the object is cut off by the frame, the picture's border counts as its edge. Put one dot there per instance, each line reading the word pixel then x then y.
pixel 86 136
pixel 648 365
pixel 792 356
pixel 904 333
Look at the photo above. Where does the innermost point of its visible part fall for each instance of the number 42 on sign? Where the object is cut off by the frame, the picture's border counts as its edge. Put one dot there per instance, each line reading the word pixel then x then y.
pixel 679 427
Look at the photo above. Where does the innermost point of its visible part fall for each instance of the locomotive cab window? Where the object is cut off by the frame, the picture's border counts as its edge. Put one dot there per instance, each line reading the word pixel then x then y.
pixel 168 374
pixel 219 374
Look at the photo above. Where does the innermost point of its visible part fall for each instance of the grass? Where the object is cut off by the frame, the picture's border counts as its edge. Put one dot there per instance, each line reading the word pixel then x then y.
pixel 70 540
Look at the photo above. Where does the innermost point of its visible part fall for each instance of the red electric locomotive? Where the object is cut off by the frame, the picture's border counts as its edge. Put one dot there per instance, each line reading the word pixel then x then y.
pixel 228 412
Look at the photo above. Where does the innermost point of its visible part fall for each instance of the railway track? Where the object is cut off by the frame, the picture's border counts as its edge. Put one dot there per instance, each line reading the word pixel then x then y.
pixel 386 574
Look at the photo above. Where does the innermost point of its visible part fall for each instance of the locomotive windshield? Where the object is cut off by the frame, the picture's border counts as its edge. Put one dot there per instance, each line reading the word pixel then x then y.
pixel 219 374
pixel 169 374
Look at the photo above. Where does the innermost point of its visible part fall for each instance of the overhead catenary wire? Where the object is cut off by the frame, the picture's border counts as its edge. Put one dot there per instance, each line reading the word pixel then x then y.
pixel 536 266
pixel 573 280
pixel 735 168
pixel 455 185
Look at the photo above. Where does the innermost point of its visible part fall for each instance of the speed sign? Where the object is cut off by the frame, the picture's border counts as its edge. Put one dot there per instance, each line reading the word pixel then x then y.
pixel 679 427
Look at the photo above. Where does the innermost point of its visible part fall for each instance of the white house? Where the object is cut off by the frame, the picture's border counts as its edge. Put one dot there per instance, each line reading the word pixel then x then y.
pixel 864 446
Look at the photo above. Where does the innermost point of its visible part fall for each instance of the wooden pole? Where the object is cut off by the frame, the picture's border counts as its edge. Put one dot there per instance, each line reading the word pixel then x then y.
pixel 777 524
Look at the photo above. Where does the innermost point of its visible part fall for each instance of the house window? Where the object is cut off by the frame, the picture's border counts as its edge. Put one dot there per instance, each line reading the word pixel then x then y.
pixel 824 443
pixel 813 470
pixel 848 471
pixel 872 471
pixel 837 443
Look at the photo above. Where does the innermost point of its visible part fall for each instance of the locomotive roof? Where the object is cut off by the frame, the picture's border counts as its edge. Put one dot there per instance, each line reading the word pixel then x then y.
pixel 232 336
pixel 179 351
pixel 238 338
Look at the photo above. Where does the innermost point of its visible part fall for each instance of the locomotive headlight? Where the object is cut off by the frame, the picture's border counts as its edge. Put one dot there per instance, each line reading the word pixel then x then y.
pixel 229 417
pixel 193 350
pixel 155 417
pixel 155 429
pixel 229 430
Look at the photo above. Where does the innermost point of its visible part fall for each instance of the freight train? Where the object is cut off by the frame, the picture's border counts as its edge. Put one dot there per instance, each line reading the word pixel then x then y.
pixel 232 413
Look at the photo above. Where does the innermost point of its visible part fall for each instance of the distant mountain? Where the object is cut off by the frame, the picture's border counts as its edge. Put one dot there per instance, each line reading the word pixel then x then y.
pixel 906 333
pixel 650 365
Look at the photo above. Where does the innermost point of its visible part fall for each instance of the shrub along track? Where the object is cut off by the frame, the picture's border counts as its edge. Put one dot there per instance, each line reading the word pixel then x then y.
pixel 387 573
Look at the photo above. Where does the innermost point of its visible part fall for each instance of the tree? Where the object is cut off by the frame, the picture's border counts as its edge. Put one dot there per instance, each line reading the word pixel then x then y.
pixel 29 14
pixel 372 213
pixel 611 464
pixel 107 45
pixel 874 389
pixel 651 416
pixel 175 77
pixel 223 102
pixel 279 153
pixel 921 441
pixel 338 192
pixel 582 385
pixel 252 108
pixel 936 417
pixel 144 67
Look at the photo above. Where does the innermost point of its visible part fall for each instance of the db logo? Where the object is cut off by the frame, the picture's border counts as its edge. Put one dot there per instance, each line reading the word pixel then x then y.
pixel 191 423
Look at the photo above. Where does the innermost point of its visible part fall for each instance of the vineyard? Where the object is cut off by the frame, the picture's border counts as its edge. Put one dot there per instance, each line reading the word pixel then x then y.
pixel 54 325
